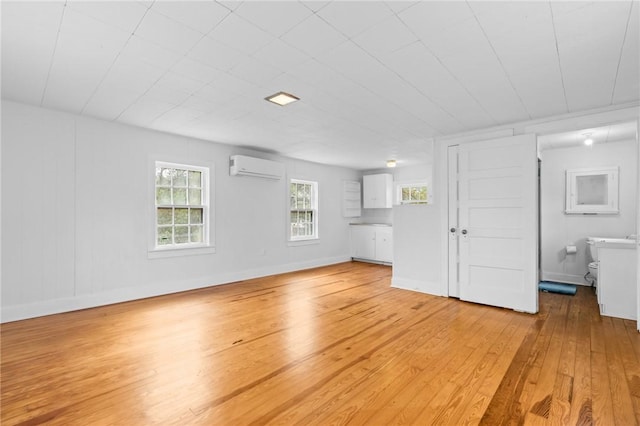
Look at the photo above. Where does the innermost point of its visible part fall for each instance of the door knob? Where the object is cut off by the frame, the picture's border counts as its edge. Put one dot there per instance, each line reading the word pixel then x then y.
pixel 464 232
pixel 452 230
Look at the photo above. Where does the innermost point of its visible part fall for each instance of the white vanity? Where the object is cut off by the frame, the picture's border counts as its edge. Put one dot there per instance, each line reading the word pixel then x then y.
pixel 617 277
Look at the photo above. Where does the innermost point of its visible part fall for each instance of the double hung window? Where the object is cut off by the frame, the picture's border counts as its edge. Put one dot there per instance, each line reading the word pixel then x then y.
pixel 303 214
pixel 181 206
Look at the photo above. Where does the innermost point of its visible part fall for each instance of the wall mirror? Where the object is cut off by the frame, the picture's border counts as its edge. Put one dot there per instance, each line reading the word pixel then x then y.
pixel 592 191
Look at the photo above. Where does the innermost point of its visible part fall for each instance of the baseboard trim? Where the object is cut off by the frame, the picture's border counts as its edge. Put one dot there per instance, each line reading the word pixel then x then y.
pixel 563 278
pixel 69 304
pixel 429 287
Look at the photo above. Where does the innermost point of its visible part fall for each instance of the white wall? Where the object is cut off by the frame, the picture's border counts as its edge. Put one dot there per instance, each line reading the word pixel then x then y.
pixel 416 249
pixel 416 242
pixel 559 230
pixel 75 197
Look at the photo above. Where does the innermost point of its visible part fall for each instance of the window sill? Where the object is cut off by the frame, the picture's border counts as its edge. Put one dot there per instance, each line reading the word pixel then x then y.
pixel 307 242
pixel 182 251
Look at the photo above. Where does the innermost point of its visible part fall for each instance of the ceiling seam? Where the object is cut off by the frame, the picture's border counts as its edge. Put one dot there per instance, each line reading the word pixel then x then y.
pixel 168 70
pixel 624 39
pixel 104 77
pixel 349 39
pixel 447 68
pixel 506 74
pixel 555 39
pixel 53 55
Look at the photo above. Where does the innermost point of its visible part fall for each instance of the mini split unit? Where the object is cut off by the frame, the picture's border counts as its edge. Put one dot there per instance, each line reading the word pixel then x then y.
pixel 241 165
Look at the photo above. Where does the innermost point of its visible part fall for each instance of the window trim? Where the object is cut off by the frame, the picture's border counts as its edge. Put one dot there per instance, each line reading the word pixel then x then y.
pixel 304 240
pixel 207 246
pixel 401 186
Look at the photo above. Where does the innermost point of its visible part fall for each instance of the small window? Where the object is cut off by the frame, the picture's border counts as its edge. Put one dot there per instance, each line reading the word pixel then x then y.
pixel 303 210
pixel 592 191
pixel 182 205
pixel 415 193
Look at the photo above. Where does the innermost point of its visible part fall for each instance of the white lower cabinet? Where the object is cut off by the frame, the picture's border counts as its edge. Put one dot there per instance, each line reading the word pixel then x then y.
pixel 617 277
pixel 372 242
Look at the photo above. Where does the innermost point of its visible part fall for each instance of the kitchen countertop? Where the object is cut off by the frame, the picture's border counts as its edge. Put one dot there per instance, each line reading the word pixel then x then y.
pixel 371 224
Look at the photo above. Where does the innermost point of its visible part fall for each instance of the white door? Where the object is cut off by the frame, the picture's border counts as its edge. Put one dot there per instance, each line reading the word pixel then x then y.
pixel 453 196
pixel 384 244
pixel 498 222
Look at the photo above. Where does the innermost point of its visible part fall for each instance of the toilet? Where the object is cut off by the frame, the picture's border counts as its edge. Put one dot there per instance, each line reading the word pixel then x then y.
pixel 593 258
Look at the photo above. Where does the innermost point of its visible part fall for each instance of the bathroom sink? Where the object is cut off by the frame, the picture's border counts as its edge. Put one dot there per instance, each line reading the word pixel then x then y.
pixel 615 241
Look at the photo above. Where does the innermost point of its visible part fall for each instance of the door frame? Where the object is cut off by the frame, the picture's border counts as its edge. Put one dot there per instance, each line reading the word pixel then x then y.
pixel 612 116
pixel 558 124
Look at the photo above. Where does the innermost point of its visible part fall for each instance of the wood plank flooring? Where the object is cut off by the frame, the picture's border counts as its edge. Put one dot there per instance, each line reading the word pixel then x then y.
pixel 333 345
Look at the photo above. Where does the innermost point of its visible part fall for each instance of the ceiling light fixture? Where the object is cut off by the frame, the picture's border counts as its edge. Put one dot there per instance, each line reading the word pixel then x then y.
pixel 391 163
pixel 588 141
pixel 282 98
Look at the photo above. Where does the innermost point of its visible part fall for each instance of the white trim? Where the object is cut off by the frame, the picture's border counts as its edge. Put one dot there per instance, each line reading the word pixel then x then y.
pixel 638 223
pixel 571 191
pixel 208 195
pixel 68 304
pixel 180 251
pixel 412 184
pixel 427 287
pixel 311 239
pixel 564 278
pixel 303 242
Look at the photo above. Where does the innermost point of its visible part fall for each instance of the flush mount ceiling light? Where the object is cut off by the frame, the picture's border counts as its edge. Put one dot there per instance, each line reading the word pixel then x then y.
pixel 587 140
pixel 391 163
pixel 282 98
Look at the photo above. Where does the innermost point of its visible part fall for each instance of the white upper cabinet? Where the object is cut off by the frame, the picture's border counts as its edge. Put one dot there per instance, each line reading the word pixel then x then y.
pixel 377 191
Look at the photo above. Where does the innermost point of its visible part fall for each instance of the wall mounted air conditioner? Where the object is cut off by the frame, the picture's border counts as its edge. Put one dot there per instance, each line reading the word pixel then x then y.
pixel 241 165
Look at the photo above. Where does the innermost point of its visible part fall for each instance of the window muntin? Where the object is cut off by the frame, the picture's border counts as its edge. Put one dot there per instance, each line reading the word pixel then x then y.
pixel 303 210
pixel 181 207
pixel 412 193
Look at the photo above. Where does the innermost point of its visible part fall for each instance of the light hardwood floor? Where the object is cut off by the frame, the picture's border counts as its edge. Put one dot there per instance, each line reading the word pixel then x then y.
pixel 333 345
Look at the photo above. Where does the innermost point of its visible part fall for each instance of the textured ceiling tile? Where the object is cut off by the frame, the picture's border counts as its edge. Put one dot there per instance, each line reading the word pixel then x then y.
pixel 86 49
pixel 202 16
pixel 28 41
pixel 240 34
pixel 255 71
pixel 280 55
pixel 125 15
pixel 626 86
pixel 352 17
pixel 589 41
pixel 109 101
pixel 385 37
pixel 412 70
pixel 215 54
pixel 167 33
pixel 429 19
pixel 313 36
pixel 276 18
pixel 150 53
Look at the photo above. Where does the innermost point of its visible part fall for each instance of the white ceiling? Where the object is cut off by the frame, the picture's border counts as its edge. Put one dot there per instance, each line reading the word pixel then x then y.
pixel 606 134
pixel 377 80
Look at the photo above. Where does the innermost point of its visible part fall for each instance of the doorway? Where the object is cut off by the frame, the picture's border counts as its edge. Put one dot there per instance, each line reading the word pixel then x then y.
pixel 565 225
pixel 492 216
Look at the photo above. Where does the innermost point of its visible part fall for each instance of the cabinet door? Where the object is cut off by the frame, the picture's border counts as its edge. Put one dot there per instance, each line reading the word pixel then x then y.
pixel 377 191
pixel 363 240
pixel 384 245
